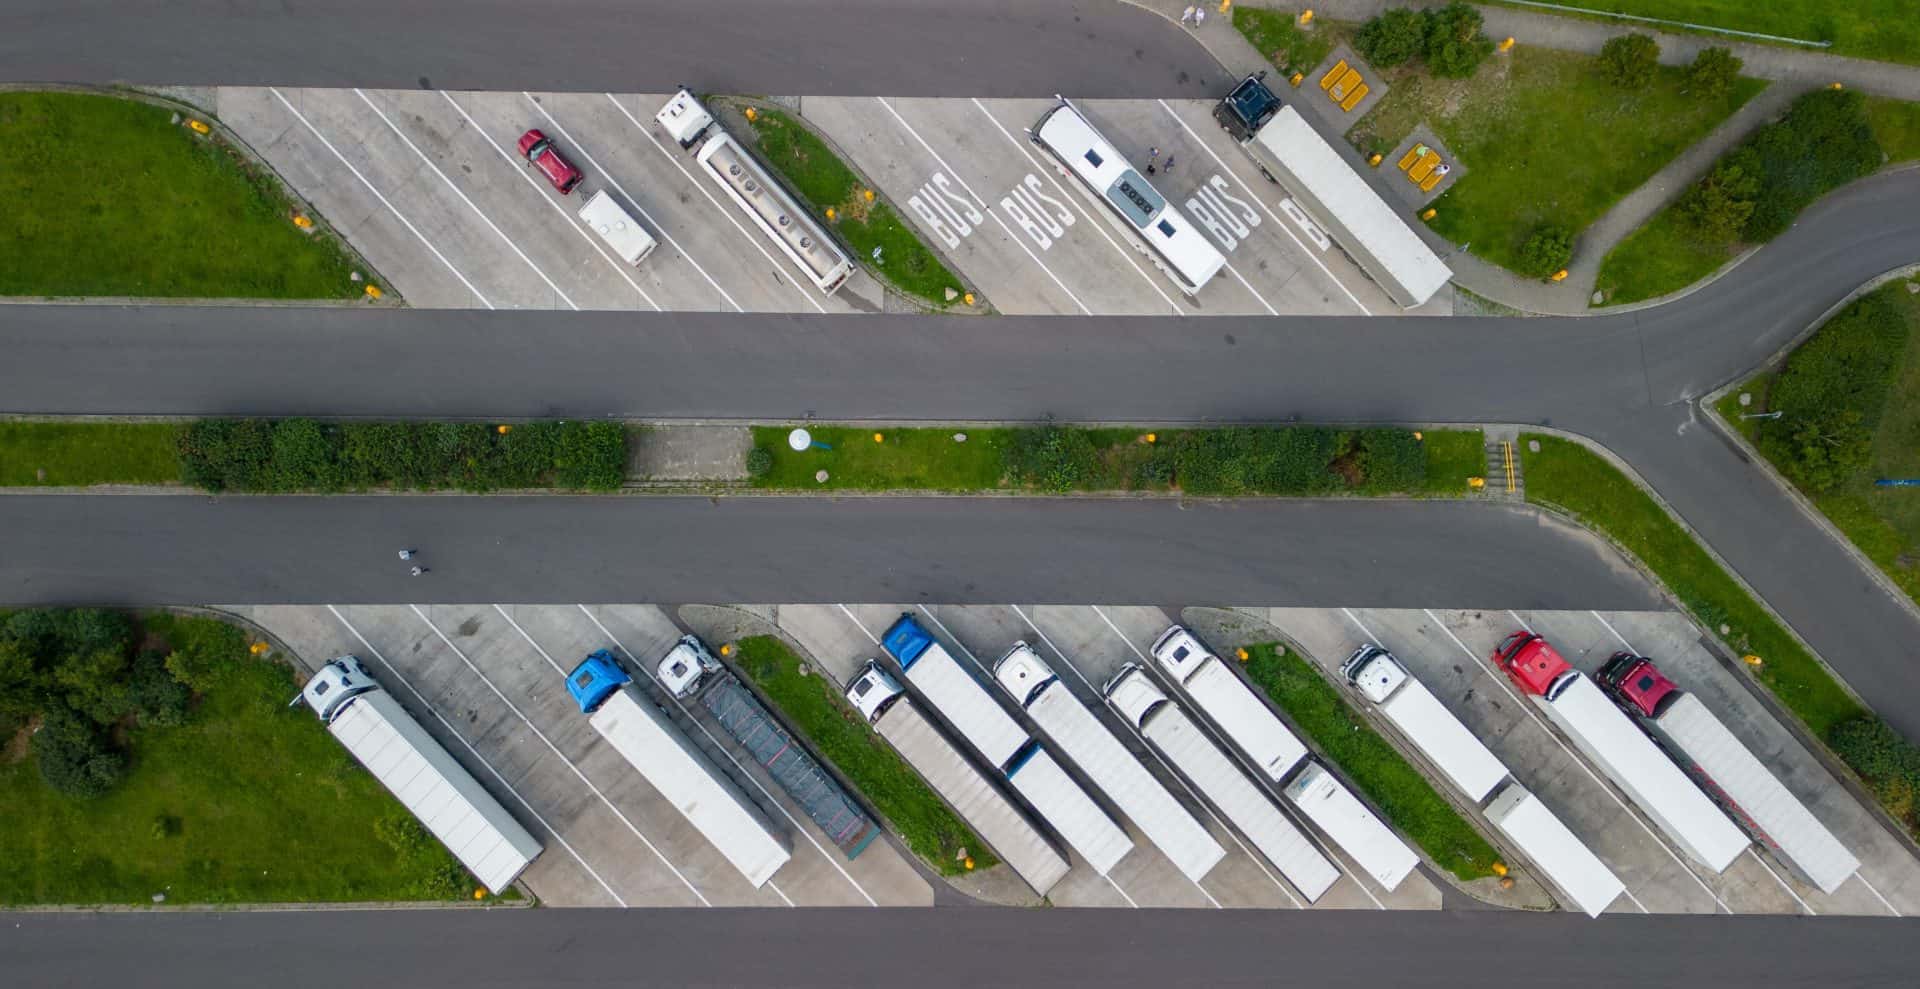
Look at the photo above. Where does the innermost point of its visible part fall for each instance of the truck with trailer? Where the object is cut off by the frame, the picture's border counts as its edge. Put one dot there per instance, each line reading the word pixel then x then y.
pixel 420 773
pixel 1560 856
pixel 689 671
pixel 1425 722
pixel 1133 694
pixel 1078 733
pixel 1224 697
pixel 1341 816
pixel 973 712
pixel 1623 752
pixel 885 705
pixel 1727 770
pixel 646 737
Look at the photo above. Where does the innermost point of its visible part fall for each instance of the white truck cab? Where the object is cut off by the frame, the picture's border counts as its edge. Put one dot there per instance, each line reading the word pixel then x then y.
pixel 1133 694
pixel 685 665
pixel 336 683
pixel 684 119
pixel 872 690
pixel 1179 653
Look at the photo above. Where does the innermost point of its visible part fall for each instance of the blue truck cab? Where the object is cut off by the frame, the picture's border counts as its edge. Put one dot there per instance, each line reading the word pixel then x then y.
pixel 1247 108
pixel 595 679
pixel 905 640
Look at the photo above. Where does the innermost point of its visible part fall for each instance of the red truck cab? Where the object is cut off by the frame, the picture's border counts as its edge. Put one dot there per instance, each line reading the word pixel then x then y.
pixel 1636 684
pixel 540 152
pixel 1533 665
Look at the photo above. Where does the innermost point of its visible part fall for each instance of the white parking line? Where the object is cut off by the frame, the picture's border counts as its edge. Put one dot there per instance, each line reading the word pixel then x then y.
pixel 570 219
pixel 657 225
pixel 1876 894
pixel 397 132
pixel 1263 208
pixel 402 217
pixel 429 708
pixel 557 754
pixel 724 210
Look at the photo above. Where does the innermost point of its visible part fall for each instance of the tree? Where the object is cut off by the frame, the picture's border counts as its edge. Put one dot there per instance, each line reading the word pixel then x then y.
pixel 305 457
pixel 1712 72
pixel 759 462
pixel 155 693
pixel 1455 45
pixel 1546 252
pixel 1393 38
pixel 73 755
pixel 1628 60
pixel 1720 205
pixel 227 454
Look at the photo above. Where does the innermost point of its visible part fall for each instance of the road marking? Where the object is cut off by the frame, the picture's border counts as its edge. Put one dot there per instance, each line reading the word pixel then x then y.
pixel 402 217
pixel 657 225
pixel 725 211
pixel 1616 632
pixel 985 208
pixel 1783 883
pixel 429 708
pixel 651 675
pixel 858 624
pixel 570 219
pixel 1315 258
pixel 556 751
pixel 1876 893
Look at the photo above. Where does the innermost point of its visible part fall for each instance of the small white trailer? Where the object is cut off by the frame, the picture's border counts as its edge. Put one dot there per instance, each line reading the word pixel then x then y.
pixel 1562 858
pixel 617 227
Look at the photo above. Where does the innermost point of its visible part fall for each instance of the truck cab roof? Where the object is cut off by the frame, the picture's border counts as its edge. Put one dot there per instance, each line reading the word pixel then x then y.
pixel 685 665
pixel 596 678
pixel 905 640
pixel 1635 683
pixel 1532 663
pixel 872 690
pixel 336 683
pixel 1374 672
pixel 1022 672
pixel 1179 653
pixel 1133 694
pixel 1251 104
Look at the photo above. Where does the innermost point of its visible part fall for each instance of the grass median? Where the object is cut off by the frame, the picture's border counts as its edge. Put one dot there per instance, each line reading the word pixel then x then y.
pixel 1876 29
pixel 1400 791
pixel 77 454
pixel 813 705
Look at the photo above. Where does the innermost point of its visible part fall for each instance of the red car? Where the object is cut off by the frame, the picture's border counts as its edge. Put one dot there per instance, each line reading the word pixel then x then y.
pixel 539 151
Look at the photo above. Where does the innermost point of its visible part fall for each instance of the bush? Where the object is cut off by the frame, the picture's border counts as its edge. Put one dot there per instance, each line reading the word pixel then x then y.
pixel 1158 470
pixel 1722 203
pixel 154 692
pixel 305 457
pixel 1712 72
pixel 1052 459
pixel 591 457
pixel 227 454
pixel 1232 462
pixel 1888 762
pixel 73 756
pixel 1455 45
pixel 1546 252
pixel 1832 391
pixel 759 462
pixel 204 652
pixel 1628 60
pixel 1824 142
pixel 1393 38
pixel 1391 460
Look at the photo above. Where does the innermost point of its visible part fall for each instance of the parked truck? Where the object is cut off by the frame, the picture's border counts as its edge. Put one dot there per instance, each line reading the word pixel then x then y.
pixel 1341 816
pixel 646 737
pixel 1002 742
pixel 1560 856
pixel 1727 770
pixel 1425 722
pixel 1224 697
pixel 1078 733
pixel 884 703
pixel 690 671
pixel 420 773
pixel 1167 727
pixel 1622 751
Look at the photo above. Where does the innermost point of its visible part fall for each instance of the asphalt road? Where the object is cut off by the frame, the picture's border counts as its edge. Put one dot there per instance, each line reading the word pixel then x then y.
pixel 1035 48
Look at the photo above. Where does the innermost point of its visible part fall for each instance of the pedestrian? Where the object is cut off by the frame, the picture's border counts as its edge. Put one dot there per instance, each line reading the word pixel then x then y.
pixel 1168 167
pixel 1199 15
pixel 1186 16
pixel 407 554
pixel 418 570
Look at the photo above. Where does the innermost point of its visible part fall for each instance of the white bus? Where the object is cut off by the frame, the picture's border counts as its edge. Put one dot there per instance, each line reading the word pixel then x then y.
pixel 1155 226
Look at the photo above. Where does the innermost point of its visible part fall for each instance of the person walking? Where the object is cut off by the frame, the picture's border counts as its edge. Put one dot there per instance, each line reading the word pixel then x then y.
pixel 1186 16
pixel 1199 16
pixel 1168 167
pixel 1153 159
pixel 418 570
pixel 407 554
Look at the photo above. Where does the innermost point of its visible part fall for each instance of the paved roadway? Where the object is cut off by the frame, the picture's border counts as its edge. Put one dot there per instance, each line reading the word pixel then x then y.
pixel 844 48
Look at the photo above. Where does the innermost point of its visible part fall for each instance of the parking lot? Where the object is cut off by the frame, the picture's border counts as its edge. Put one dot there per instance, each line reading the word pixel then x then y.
pixel 430 188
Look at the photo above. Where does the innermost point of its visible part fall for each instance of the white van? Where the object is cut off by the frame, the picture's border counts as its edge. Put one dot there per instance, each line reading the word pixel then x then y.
pixel 621 232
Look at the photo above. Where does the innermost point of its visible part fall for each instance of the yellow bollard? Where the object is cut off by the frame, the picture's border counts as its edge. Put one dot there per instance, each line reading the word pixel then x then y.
pixel 1417 436
pixel 1306 18
pixel 869 194
pixel 752 115
pixel 258 648
pixel 1429 214
pixel 1507 45
pixel 1153 438
pixel 830 213
pixel 1226 5
pixel 1751 660
pixel 479 893
pixel 1836 86
pixel 968 297
pixel 1476 483
pixel 969 863
pixel 1559 276
pixel 1297 76
pixel 1243 654
pixel 879 438
pixel 200 128
pixel 1499 868
pixel 503 429
pixel 1375 159
pixel 726 648
pixel 301 221
pixel 373 292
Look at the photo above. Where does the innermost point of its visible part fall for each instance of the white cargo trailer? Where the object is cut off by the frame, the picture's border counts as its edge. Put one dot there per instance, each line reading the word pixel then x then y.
pixel 1562 858
pixel 421 774
pixel 1412 708
pixel 1078 733
pixel 884 703
pixel 615 226
pixel 1134 695
pixel 643 735
pixel 1231 704
pixel 1341 816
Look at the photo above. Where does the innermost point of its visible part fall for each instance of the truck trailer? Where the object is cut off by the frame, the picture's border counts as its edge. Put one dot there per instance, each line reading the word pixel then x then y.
pixel 884 703
pixel 1341 816
pixel 643 735
pixel 1224 697
pixel 1622 751
pixel 1078 733
pixel 1425 722
pixel 420 773
pixel 1030 768
pixel 1728 771
pixel 1134 695
pixel 1562 858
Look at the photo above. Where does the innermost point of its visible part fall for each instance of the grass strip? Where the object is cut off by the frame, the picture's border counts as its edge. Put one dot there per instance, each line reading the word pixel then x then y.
pixel 1400 791
pixel 1279 37
pixel 308 455
pixel 1876 29
pixel 75 454
pixel 813 705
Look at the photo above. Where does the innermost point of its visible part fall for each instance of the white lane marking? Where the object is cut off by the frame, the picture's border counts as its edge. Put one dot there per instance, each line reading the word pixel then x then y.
pixel 608 176
pixel 556 751
pixel 1122 892
pixel 1616 632
pixel 1876 894
pixel 504 239
pixel 1311 255
pixel 1052 170
pixel 726 210
pixel 859 624
pixel 986 208
pixel 402 217
pixel 651 675
pixel 1143 743
pixel 422 701
pixel 1481 664
pixel 1235 272
pixel 571 219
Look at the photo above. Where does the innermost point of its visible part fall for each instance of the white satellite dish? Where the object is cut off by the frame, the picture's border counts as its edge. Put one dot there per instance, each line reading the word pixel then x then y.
pixel 799 439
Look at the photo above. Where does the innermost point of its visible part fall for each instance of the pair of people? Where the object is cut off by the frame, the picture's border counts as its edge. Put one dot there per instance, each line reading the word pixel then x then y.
pixel 409 554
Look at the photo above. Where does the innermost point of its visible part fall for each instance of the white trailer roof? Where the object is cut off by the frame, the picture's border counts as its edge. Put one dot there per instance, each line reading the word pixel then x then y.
pixel 1776 816
pixel 1615 744
pixel 427 781
pixel 1446 743
pixel 1063 804
pixel 621 232
pixel 1556 851
pixel 1249 723
pixel 966 705
pixel 1337 812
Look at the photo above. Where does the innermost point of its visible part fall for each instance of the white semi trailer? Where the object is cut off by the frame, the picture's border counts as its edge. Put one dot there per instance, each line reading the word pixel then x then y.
pixel 1412 708
pixel 1224 697
pixel 1554 849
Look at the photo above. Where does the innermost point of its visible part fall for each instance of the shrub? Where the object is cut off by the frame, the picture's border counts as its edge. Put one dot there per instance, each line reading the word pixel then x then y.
pixel 1832 391
pixel 1888 762
pixel 73 755
pixel 204 652
pixel 1455 45
pixel 1824 142
pixel 1712 72
pixel 1393 38
pixel 227 454
pixel 1825 450
pixel 1392 460
pixel 305 457
pixel 591 456
pixel 1233 462
pixel 759 462
pixel 1052 459
pixel 1157 470
pixel 1546 251
pixel 1721 204
pixel 94 684
pixel 153 691
pixel 1628 60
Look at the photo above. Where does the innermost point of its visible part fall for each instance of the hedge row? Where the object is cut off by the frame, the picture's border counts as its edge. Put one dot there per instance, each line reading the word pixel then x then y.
pixel 1832 391
pixel 1284 460
pixel 308 455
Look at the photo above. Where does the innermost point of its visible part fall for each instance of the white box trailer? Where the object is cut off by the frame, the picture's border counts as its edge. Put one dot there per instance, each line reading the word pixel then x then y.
pixel 420 773
pixel 1062 803
pixel 1231 704
pixel 1078 733
pixel 644 736
pixel 617 227
pixel 1183 744
pixel 1341 816
pixel 884 703
pixel 1426 723
pixel 1562 858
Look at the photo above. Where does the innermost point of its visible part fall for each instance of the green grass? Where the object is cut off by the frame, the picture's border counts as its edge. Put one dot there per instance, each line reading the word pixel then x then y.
pixel 1453 455
pixel 824 181
pixel 1877 29
pixel 248 802
pixel 1277 34
pixel 1568 476
pixel 101 196
pixel 80 453
pixel 1896 125
pixel 815 707
pixel 1544 140
pixel 1400 791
